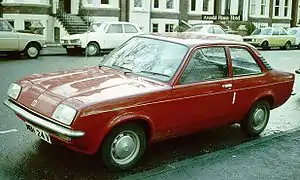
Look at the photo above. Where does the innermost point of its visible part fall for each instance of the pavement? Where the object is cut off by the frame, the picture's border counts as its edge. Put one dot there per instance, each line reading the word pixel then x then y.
pixel 271 157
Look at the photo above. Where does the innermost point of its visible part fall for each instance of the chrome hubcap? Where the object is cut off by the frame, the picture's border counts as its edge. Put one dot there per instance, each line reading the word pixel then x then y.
pixel 259 118
pixel 125 147
pixel 32 51
pixel 92 49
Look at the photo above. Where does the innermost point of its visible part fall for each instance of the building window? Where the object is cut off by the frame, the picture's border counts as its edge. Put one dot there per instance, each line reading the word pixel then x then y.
pixel 286 7
pixel 156 3
pixel 104 1
pixel 252 7
pixel 154 27
pixel 170 4
pixel 205 5
pixel 193 5
pixel 276 12
pixel 263 6
pixel 27 25
pixel 169 27
pixel 137 3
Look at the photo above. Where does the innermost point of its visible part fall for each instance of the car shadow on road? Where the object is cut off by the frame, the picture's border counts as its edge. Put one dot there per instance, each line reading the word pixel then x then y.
pixel 58 162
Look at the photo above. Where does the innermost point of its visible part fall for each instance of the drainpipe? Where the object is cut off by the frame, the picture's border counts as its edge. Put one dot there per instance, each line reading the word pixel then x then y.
pixel 1 8
pixel 295 12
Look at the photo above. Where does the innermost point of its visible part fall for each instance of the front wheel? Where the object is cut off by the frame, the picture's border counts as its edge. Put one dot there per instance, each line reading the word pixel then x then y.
pixel 257 118
pixel 92 49
pixel 32 51
pixel 123 147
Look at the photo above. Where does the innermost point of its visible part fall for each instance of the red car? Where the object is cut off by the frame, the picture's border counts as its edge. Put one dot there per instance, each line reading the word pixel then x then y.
pixel 153 87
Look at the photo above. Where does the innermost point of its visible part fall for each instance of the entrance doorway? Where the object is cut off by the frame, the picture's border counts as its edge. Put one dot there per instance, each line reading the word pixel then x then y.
pixel 66 5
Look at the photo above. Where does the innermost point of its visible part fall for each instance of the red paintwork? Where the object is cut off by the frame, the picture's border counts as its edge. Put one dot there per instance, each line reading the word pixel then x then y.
pixel 106 98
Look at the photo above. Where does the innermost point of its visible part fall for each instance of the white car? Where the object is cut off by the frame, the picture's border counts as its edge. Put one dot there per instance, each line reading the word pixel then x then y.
pixel 295 31
pixel 216 30
pixel 100 36
pixel 12 42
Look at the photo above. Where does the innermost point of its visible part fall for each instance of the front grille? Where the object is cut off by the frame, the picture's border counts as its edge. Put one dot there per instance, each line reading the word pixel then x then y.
pixel 247 40
pixel 73 41
pixel 66 41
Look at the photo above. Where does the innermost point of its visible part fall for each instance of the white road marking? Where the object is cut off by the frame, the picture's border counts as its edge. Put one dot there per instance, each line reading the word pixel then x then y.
pixel 8 131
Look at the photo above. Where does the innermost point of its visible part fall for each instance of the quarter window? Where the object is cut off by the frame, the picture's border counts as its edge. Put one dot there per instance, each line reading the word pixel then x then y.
pixel 169 27
pixel 115 28
pixel 275 32
pixel 243 62
pixel 218 30
pixel 206 64
pixel 4 26
pixel 130 28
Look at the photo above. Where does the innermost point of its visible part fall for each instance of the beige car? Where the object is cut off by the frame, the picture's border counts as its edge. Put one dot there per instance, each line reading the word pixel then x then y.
pixel 14 42
pixel 270 37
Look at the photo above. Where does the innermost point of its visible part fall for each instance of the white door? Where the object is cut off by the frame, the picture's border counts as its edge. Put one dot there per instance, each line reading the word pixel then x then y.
pixel 114 36
pixel 8 37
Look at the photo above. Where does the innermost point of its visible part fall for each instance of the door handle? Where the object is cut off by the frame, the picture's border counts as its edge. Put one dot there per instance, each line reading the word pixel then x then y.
pixel 227 86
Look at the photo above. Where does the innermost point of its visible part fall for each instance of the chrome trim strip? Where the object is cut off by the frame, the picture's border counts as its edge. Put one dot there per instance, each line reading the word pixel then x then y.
pixel 43 123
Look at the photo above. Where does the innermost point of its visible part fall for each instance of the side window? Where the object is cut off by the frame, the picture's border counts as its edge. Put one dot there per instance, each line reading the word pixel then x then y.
pixel 243 62
pixel 130 28
pixel 210 30
pixel 218 30
pixel 282 32
pixel 115 28
pixel 275 32
pixel 4 26
pixel 206 64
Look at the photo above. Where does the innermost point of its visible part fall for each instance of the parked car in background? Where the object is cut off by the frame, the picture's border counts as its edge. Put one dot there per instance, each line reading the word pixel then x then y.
pixel 100 36
pixel 295 31
pixel 216 30
pixel 271 37
pixel 151 88
pixel 13 42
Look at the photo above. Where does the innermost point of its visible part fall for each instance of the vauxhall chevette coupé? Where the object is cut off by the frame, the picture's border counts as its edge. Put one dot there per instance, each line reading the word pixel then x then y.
pixel 151 88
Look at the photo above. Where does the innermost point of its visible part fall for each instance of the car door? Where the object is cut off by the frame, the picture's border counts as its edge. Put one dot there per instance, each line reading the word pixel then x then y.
pixel 274 40
pixel 114 36
pixel 248 79
pixel 284 37
pixel 129 31
pixel 203 94
pixel 8 37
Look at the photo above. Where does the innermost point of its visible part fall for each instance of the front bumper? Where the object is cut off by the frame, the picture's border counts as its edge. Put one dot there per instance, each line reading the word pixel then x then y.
pixel 42 122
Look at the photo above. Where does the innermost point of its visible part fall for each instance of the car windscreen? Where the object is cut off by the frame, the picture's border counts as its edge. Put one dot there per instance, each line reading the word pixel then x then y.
pixel 96 27
pixel 195 29
pixel 292 32
pixel 264 31
pixel 152 58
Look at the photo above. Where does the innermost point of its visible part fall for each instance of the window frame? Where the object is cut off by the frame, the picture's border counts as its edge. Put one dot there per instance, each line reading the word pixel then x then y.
pixel 252 7
pixel 173 4
pixel 188 59
pixel 141 3
pixel 168 27
pixel 254 57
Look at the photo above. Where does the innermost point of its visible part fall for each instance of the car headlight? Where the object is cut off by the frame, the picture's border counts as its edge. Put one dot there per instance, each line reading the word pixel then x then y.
pixel 64 114
pixel 14 91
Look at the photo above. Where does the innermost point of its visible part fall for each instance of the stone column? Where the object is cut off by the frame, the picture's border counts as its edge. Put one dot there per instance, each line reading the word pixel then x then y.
pixel 295 12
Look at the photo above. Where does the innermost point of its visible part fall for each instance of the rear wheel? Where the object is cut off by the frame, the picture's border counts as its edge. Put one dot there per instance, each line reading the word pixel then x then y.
pixel 265 45
pixel 287 45
pixel 32 51
pixel 123 147
pixel 257 118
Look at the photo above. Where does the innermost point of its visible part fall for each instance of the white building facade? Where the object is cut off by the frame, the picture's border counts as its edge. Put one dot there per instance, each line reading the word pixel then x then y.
pixel 150 15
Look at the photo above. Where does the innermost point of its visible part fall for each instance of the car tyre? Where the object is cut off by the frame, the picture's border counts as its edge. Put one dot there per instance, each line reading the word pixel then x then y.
pixel 287 45
pixel 32 51
pixel 265 45
pixel 257 119
pixel 123 147
pixel 92 49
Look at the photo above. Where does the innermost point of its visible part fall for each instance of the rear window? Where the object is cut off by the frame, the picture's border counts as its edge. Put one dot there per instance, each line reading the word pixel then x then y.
pixel 292 32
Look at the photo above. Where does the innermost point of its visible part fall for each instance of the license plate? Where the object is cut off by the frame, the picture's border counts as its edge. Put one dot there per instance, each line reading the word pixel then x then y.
pixel 70 46
pixel 40 133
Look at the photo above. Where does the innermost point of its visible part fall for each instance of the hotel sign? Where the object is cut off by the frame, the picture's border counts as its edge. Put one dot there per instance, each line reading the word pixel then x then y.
pixel 222 17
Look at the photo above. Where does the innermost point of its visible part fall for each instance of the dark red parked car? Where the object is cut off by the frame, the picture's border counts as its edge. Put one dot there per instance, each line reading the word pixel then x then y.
pixel 151 88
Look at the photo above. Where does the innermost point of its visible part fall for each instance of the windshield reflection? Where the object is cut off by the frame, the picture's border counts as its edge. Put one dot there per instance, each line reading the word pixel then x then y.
pixel 147 57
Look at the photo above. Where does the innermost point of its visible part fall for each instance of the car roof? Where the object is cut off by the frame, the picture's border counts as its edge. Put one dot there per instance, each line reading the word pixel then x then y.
pixel 191 39
pixel 113 22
